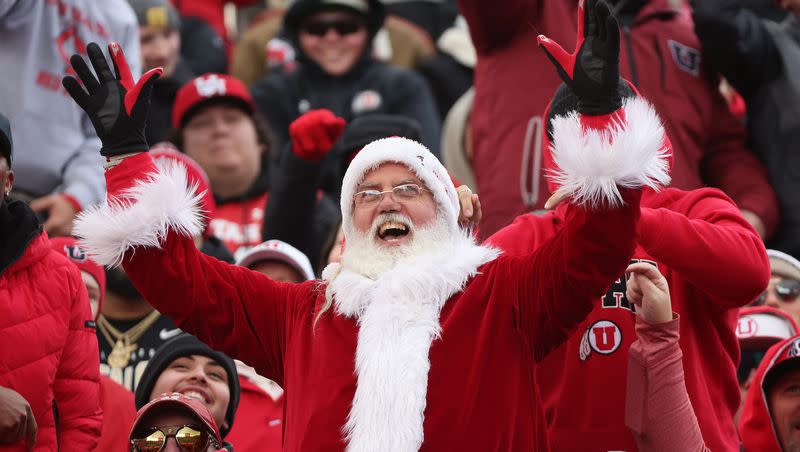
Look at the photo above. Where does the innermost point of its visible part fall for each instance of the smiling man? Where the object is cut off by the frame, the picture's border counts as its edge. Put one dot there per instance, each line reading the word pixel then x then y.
pixel 384 350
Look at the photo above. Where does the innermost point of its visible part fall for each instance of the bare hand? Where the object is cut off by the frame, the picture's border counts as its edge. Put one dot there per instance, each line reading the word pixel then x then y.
pixel 649 291
pixel 60 214
pixel 471 213
pixel 756 222
pixel 16 419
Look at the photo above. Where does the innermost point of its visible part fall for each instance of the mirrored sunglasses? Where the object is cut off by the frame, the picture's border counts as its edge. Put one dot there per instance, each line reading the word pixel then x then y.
pixel 190 438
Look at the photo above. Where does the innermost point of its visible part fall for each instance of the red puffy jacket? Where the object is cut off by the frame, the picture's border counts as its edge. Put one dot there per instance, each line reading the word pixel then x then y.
pixel 660 54
pixel 49 348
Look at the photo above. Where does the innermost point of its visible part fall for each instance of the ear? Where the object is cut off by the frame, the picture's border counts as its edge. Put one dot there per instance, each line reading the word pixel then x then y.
pixel 9 182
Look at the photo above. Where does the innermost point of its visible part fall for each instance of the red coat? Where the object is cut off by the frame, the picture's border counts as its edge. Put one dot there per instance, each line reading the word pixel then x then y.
pixel 714 262
pixel 49 348
pixel 514 81
pixel 481 389
pixel 119 412
pixel 259 420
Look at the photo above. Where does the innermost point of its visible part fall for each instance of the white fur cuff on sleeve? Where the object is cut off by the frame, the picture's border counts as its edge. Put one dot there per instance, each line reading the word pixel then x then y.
pixel 592 164
pixel 143 216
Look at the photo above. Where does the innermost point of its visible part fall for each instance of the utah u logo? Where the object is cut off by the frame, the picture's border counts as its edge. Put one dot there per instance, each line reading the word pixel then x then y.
pixel 210 86
pixel 75 253
pixel 687 58
pixel 603 337
pixel 746 327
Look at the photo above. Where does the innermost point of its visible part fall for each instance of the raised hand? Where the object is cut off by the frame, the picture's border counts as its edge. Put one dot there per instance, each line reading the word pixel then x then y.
pixel 314 133
pixel 116 106
pixel 649 291
pixel 592 71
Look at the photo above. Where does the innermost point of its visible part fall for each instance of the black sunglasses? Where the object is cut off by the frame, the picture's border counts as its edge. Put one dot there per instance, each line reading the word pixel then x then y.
pixel 342 27
pixel 787 290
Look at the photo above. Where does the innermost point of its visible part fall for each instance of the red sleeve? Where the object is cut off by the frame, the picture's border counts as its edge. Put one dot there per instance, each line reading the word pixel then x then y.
pixel 657 407
pixel 233 309
pixel 492 25
pixel 564 278
pixel 76 389
pixel 710 245
pixel 729 165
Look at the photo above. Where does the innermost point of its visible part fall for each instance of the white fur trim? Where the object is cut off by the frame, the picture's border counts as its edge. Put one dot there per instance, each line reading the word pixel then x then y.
pixel 141 216
pixel 398 317
pixel 592 164
pixel 417 158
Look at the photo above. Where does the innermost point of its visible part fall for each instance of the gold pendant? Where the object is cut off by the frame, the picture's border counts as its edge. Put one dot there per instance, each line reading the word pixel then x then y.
pixel 120 355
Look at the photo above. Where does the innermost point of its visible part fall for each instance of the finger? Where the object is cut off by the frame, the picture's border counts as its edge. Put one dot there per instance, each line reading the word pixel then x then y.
pixel 647 270
pixel 477 215
pixel 563 61
pixel 465 199
pixel 601 15
pixel 612 35
pixel 142 89
pixel 556 198
pixel 99 62
pixel 84 73
pixel 590 27
pixel 76 91
pixel 121 65
pixel 43 203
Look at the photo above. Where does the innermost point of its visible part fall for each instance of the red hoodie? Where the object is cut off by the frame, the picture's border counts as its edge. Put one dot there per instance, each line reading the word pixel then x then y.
pixel 714 262
pixel 514 81
pixel 755 425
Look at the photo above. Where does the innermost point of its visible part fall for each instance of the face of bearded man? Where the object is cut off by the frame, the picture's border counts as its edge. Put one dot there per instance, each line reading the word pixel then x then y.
pixel 399 225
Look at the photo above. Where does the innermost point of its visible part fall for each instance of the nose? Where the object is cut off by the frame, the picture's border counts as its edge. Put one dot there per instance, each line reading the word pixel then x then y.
pixel 171 445
pixel 771 300
pixel 388 204
pixel 331 34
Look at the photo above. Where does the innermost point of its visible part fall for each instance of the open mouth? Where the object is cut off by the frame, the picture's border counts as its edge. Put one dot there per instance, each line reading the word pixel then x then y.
pixel 196 395
pixel 392 231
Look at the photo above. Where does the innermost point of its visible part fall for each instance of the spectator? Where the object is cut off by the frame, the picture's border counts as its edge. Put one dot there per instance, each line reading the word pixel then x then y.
pixel 116 402
pixel 212 13
pixel 215 123
pixel 201 47
pixel 160 40
pixel 176 422
pixel 56 146
pixel 761 59
pixel 279 261
pixel 187 366
pixel 769 419
pixel 657 407
pixel 457 140
pixel 264 48
pixel 684 234
pixel 758 329
pixel 661 57
pixel 783 291
pixel 42 292
pixel 336 71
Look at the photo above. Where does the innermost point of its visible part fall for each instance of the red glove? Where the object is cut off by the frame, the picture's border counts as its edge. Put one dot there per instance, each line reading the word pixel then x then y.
pixel 314 133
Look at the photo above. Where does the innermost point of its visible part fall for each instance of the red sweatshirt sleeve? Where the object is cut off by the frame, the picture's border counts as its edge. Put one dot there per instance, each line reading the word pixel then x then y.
pixel 492 25
pixel 732 167
pixel 657 406
pixel 233 309
pixel 76 388
pixel 710 245
pixel 565 277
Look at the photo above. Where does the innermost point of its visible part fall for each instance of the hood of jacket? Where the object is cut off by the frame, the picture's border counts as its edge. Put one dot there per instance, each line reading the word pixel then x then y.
pixel 18 229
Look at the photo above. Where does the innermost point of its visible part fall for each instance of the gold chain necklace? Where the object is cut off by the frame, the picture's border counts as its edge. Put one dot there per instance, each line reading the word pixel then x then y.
pixel 124 342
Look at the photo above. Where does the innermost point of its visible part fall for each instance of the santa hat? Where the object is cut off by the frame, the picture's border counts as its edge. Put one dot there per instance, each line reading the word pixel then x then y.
pixel 164 152
pixel 69 247
pixel 191 406
pixel 413 155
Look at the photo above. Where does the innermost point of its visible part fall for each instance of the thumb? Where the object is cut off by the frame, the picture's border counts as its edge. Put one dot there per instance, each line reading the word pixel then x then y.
pixel 42 203
pixel 336 127
pixel 563 61
pixel 142 89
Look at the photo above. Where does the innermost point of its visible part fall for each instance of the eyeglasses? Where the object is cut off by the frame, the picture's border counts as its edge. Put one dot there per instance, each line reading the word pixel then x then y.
pixel 749 361
pixel 787 290
pixel 188 437
pixel 342 27
pixel 405 192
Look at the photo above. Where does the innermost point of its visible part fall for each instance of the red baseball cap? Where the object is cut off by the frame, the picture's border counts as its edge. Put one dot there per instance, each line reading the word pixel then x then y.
pixel 176 399
pixel 209 87
pixel 69 247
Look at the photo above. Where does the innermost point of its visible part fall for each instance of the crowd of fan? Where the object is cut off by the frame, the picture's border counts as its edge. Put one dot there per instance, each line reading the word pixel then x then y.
pixel 266 123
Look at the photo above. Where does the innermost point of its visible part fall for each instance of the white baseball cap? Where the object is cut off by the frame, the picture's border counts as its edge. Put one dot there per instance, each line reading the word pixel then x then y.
pixel 277 250
pixel 762 326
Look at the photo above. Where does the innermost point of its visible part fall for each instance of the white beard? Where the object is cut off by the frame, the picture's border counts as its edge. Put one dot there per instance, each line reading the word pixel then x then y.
pixel 364 255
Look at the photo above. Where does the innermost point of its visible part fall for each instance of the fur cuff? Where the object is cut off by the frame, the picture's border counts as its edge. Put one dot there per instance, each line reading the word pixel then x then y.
pixel 142 216
pixel 593 164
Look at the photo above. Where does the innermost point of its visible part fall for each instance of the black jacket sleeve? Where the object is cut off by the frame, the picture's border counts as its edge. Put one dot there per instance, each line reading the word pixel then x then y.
pixel 296 213
pixel 737 44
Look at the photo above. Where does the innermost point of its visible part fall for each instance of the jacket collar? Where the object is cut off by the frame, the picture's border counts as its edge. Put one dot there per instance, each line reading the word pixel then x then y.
pixel 18 229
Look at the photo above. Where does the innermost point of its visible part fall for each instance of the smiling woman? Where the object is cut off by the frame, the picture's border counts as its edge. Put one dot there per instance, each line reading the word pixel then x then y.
pixel 189 367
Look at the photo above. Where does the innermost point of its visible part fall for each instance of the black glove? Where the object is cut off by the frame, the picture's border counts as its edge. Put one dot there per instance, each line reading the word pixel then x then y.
pixel 116 107
pixel 592 72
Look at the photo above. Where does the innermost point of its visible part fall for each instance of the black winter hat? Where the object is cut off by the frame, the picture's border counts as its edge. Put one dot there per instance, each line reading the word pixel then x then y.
pixel 6 143
pixel 187 345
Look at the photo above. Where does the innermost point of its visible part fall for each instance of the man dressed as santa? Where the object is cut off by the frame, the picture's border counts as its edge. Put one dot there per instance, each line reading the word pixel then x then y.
pixel 420 339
